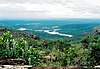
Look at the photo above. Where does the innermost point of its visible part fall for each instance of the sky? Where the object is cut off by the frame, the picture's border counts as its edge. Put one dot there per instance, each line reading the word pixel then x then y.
pixel 49 9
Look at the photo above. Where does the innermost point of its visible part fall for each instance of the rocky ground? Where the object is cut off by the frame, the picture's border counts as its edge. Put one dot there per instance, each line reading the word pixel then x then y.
pixel 30 67
pixel 15 67
pixel 19 64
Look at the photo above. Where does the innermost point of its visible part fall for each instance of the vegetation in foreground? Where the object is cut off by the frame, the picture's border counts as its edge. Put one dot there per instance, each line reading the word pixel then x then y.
pixel 40 52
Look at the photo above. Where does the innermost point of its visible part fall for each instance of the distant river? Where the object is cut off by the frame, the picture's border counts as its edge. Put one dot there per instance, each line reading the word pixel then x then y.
pixel 53 29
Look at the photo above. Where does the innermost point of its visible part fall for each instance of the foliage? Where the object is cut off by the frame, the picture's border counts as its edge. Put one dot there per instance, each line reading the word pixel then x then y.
pixel 57 52
pixel 17 48
pixel 92 43
pixel 78 55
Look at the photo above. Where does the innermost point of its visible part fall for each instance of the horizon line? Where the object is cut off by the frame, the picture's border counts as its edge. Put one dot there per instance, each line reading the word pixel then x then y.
pixel 44 19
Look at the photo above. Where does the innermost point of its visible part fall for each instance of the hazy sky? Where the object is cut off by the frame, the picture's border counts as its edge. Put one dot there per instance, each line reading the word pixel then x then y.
pixel 49 9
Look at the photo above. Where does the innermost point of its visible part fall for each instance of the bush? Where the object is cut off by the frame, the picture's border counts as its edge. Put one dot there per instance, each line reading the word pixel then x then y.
pixel 78 55
pixel 17 48
pixel 92 43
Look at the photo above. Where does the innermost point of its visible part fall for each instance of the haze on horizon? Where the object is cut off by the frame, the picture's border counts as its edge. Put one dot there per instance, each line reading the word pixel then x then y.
pixel 49 9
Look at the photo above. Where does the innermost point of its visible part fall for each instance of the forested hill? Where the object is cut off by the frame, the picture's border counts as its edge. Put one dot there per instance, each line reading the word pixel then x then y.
pixel 44 52
pixel 17 33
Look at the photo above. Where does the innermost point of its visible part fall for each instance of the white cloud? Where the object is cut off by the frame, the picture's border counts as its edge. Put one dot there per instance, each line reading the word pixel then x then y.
pixel 30 9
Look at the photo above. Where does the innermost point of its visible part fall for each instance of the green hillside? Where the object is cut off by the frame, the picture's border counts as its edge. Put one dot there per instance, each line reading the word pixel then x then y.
pixel 82 50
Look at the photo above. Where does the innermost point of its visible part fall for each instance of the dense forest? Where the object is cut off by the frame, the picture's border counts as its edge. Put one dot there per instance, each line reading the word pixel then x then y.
pixel 83 51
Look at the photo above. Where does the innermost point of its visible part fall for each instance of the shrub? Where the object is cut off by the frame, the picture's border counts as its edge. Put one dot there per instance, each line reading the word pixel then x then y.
pixel 18 48
pixel 92 43
pixel 78 55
